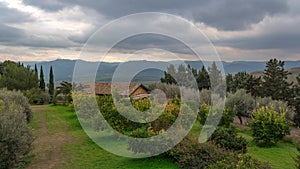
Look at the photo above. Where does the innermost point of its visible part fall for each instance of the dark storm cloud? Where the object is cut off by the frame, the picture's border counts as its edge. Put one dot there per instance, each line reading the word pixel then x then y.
pixel 275 41
pixel 225 15
pixel 9 35
pixel 8 15
pixel 145 41
pixel 238 14
pixel 282 33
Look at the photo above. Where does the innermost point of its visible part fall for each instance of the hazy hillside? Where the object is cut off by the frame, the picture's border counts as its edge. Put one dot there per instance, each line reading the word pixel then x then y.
pixel 292 77
pixel 63 69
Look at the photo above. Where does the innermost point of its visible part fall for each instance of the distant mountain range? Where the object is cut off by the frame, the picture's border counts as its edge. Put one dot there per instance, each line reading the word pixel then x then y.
pixel 63 69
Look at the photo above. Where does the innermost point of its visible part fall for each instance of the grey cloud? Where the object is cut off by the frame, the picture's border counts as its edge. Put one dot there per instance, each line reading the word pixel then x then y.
pixel 281 33
pixel 225 15
pixel 238 14
pixel 9 15
pixel 9 35
pixel 275 41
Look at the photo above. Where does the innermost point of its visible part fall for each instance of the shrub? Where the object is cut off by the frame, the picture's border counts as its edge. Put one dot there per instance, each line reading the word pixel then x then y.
pixel 269 126
pixel 171 90
pixel 277 104
pixel 147 146
pixel 191 154
pixel 226 119
pixel 239 162
pixel 45 98
pixel 18 99
pixel 33 95
pixel 15 136
pixel 205 96
pixel 242 102
pixel 227 138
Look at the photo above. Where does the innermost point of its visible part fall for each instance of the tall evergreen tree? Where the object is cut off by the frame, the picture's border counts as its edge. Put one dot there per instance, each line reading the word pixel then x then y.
pixel 42 81
pixel 230 83
pixel 36 76
pixel 169 75
pixel 275 83
pixel 51 82
pixel 296 101
pixel 203 79
pixel 217 83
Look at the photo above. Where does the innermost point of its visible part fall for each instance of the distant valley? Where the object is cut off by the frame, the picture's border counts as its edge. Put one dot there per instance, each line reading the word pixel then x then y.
pixel 63 69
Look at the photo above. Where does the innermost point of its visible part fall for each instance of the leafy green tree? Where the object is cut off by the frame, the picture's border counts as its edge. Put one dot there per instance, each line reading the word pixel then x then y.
pixel 275 82
pixel 242 102
pixel 269 126
pixel 42 81
pixel 51 82
pixel 14 76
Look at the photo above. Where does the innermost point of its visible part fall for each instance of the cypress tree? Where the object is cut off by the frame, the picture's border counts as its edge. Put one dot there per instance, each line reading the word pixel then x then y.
pixel 51 82
pixel 42 81
pixel 36 76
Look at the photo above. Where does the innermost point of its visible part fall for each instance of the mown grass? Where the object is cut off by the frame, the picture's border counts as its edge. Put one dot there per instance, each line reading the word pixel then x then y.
pixel 279 156
pixel 84 153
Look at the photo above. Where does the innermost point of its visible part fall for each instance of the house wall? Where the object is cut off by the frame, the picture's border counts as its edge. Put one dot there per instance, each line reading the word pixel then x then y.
pixel 139 91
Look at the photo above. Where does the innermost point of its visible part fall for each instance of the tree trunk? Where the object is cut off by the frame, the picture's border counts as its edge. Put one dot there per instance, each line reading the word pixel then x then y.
pixel 241 120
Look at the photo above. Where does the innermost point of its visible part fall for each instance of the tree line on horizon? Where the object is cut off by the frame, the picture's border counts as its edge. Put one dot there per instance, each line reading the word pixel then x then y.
pixel 273 83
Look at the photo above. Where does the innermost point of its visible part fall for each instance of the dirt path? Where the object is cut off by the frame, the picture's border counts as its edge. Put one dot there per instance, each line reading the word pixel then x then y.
pixel 47 147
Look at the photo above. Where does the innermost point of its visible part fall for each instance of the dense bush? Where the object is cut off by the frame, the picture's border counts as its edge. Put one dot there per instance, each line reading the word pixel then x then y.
pixel 45 98
pixel 191 154
pixel 226 119
pixel 17 98
pixel 15 136
pixel 269 126
pixel 205 96
pixel 227 138
pixel 242 102
pixel 124 125
pixel 171 90
pixel 277 104
pixel 239 162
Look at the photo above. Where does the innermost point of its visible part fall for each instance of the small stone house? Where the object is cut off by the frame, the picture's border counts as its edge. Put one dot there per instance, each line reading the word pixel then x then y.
pixel 135 90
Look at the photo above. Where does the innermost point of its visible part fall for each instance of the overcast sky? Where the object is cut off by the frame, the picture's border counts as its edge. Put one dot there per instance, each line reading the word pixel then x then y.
pixel 245 30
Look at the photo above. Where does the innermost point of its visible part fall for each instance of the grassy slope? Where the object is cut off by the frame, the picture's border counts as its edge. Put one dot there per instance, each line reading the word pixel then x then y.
pixel 84 153
pixel 279 156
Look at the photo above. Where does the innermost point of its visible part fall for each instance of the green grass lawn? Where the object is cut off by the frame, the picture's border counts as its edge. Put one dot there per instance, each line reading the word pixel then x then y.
pixel 279 156
pixel 83 152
